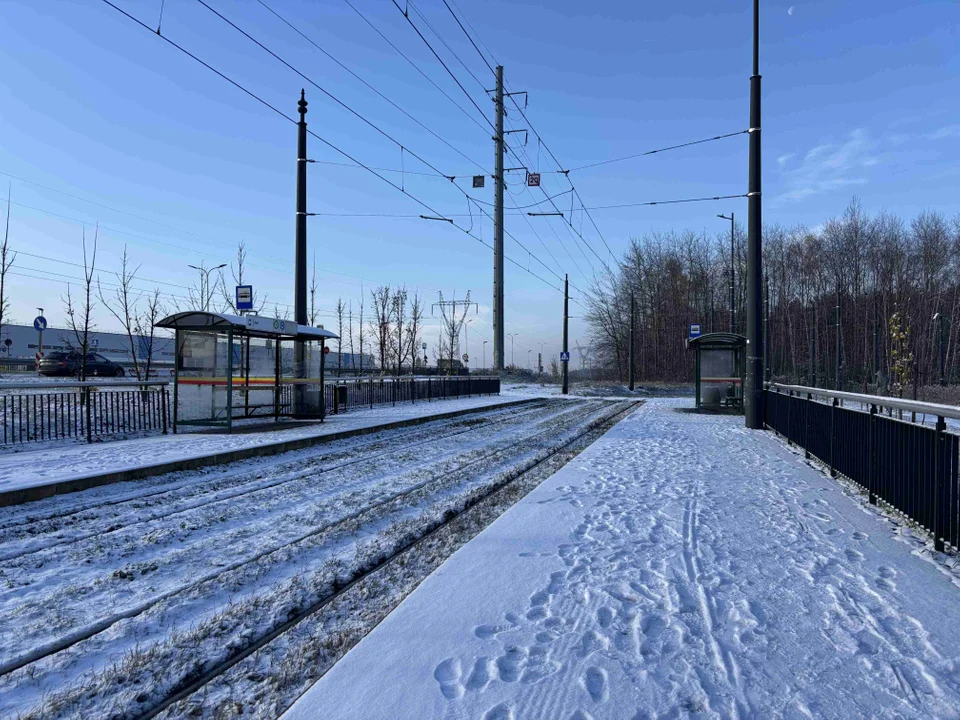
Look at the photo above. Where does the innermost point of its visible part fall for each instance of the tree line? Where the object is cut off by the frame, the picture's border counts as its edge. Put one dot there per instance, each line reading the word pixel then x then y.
pixel 886 291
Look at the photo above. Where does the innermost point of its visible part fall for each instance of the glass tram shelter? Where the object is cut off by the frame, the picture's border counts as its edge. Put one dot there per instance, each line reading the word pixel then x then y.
pixel 721 370
pixel 232 367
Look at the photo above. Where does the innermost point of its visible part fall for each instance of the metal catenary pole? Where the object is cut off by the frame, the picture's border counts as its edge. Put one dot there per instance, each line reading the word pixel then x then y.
pixel 498 321
pixel 300 280
pixel 753 397
pixel 566 317
pixel 632 371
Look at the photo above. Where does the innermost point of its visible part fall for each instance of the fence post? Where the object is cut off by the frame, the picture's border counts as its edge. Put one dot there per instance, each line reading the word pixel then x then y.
pixel 940 494
pixel 394 383
pixel 789 417
pixel 833 438
pixel 86 393
pixel 413 391
pixel 806 426
pixel 163 408
pixel 872 483
pixel 371 393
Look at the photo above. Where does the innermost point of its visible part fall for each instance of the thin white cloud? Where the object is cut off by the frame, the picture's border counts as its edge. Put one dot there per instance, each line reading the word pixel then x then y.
pixel 784 159
pixel 948 131
pixel 790 10
pixel 829 167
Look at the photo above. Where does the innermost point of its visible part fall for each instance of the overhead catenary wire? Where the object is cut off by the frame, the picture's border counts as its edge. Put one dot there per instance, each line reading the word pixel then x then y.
pixel 440 60
pixel 654 152
pixel 326 142
pixel 368 85
pixel 415 66
pixel 360 116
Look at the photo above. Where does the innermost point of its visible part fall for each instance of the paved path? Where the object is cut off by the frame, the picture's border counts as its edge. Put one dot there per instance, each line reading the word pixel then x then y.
pixel 682 566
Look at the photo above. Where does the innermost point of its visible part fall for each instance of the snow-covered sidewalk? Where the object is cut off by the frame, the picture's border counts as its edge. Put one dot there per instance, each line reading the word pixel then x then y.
pixel 682 566
pixel 70 462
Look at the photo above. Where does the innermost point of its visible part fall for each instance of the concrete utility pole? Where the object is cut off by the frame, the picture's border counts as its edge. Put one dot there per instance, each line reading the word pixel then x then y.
pixel 813 346
pixel 633 342
pixel 498 322
pixel 566 317
pixel 839 345
pixel 753 397
pixel 300 277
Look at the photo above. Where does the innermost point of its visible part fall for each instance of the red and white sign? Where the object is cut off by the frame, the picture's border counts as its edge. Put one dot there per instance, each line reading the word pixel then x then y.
pixel 533 179
pixel 326 350
pixel 38 357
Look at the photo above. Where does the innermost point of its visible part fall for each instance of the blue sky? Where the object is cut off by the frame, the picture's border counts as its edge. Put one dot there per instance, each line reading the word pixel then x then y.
pixel 859 98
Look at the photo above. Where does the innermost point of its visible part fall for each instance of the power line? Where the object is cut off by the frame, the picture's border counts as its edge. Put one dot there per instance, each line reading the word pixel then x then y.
pixel 482 56
pixel 671 202
pixel 368 85
pixel 332 146
pixel 445 44
pixel 654 152
pixel 415 66
pixel 440 60
pixel 326 92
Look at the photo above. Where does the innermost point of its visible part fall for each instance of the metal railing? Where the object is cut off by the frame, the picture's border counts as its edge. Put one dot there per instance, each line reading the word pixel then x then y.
pixel 36 412
pixel 345 394
pixel 913 468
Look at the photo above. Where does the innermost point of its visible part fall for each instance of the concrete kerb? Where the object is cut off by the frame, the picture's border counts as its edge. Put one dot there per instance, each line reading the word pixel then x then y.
pixel 62 487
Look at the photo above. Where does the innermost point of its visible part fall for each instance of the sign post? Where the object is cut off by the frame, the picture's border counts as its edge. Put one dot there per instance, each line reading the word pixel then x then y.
pixel 39 324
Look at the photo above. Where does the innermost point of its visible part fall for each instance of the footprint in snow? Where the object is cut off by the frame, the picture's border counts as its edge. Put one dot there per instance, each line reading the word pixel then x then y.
pixel 447 674
pixel 595 683
pixel 857 535
pixel 501 711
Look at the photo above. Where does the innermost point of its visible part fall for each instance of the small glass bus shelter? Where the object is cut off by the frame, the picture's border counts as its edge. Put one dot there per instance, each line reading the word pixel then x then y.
pixel 720 370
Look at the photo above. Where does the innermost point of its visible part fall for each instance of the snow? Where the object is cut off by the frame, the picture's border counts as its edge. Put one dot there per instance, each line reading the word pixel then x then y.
pixel 680 566
pixel 137 585
pixel 51 465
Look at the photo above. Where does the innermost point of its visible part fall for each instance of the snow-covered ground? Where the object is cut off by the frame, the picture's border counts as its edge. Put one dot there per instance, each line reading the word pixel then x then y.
pixel 111 600
pixel 45 466
pixel 680 567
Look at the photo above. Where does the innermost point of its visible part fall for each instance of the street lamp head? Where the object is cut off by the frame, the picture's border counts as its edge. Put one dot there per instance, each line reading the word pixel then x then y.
pixel 221 265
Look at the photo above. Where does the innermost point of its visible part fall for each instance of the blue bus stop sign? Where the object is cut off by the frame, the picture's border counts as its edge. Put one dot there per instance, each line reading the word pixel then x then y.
pixel 39 323
pixel 695 331
pixel 244 297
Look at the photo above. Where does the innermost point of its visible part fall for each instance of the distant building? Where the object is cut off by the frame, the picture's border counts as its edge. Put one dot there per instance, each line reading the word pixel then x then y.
pixel 24 343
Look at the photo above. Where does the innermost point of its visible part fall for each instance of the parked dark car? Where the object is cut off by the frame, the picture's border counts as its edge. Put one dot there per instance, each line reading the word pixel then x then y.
pixel 68 364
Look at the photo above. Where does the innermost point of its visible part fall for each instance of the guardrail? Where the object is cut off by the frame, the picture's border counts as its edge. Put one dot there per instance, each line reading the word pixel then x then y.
pixel 91 411
pixel 913 468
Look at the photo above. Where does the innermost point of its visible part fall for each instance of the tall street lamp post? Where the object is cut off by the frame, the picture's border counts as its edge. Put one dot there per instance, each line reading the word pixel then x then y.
pixel 732 265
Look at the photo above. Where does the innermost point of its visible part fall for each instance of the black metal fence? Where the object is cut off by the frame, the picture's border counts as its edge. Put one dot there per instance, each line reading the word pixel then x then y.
pixel 913 468
pixel 89 411
pixel 343 395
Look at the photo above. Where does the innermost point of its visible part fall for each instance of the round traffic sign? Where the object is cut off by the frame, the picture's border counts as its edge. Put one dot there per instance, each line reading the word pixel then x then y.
pixel 40 323
pixel 326 350
pixel 466 358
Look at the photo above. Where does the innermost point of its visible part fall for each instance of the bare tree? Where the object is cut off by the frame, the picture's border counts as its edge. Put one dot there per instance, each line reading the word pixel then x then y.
pixel 353 362
pixel 341 308
pixel 7 257
pixel 361 332
pixel 380 322
pixel 152 311
pixel 313 293
pixel 237 272
pixel 414 329
pixel 123 303
pixel 80 315
pixel 400 347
